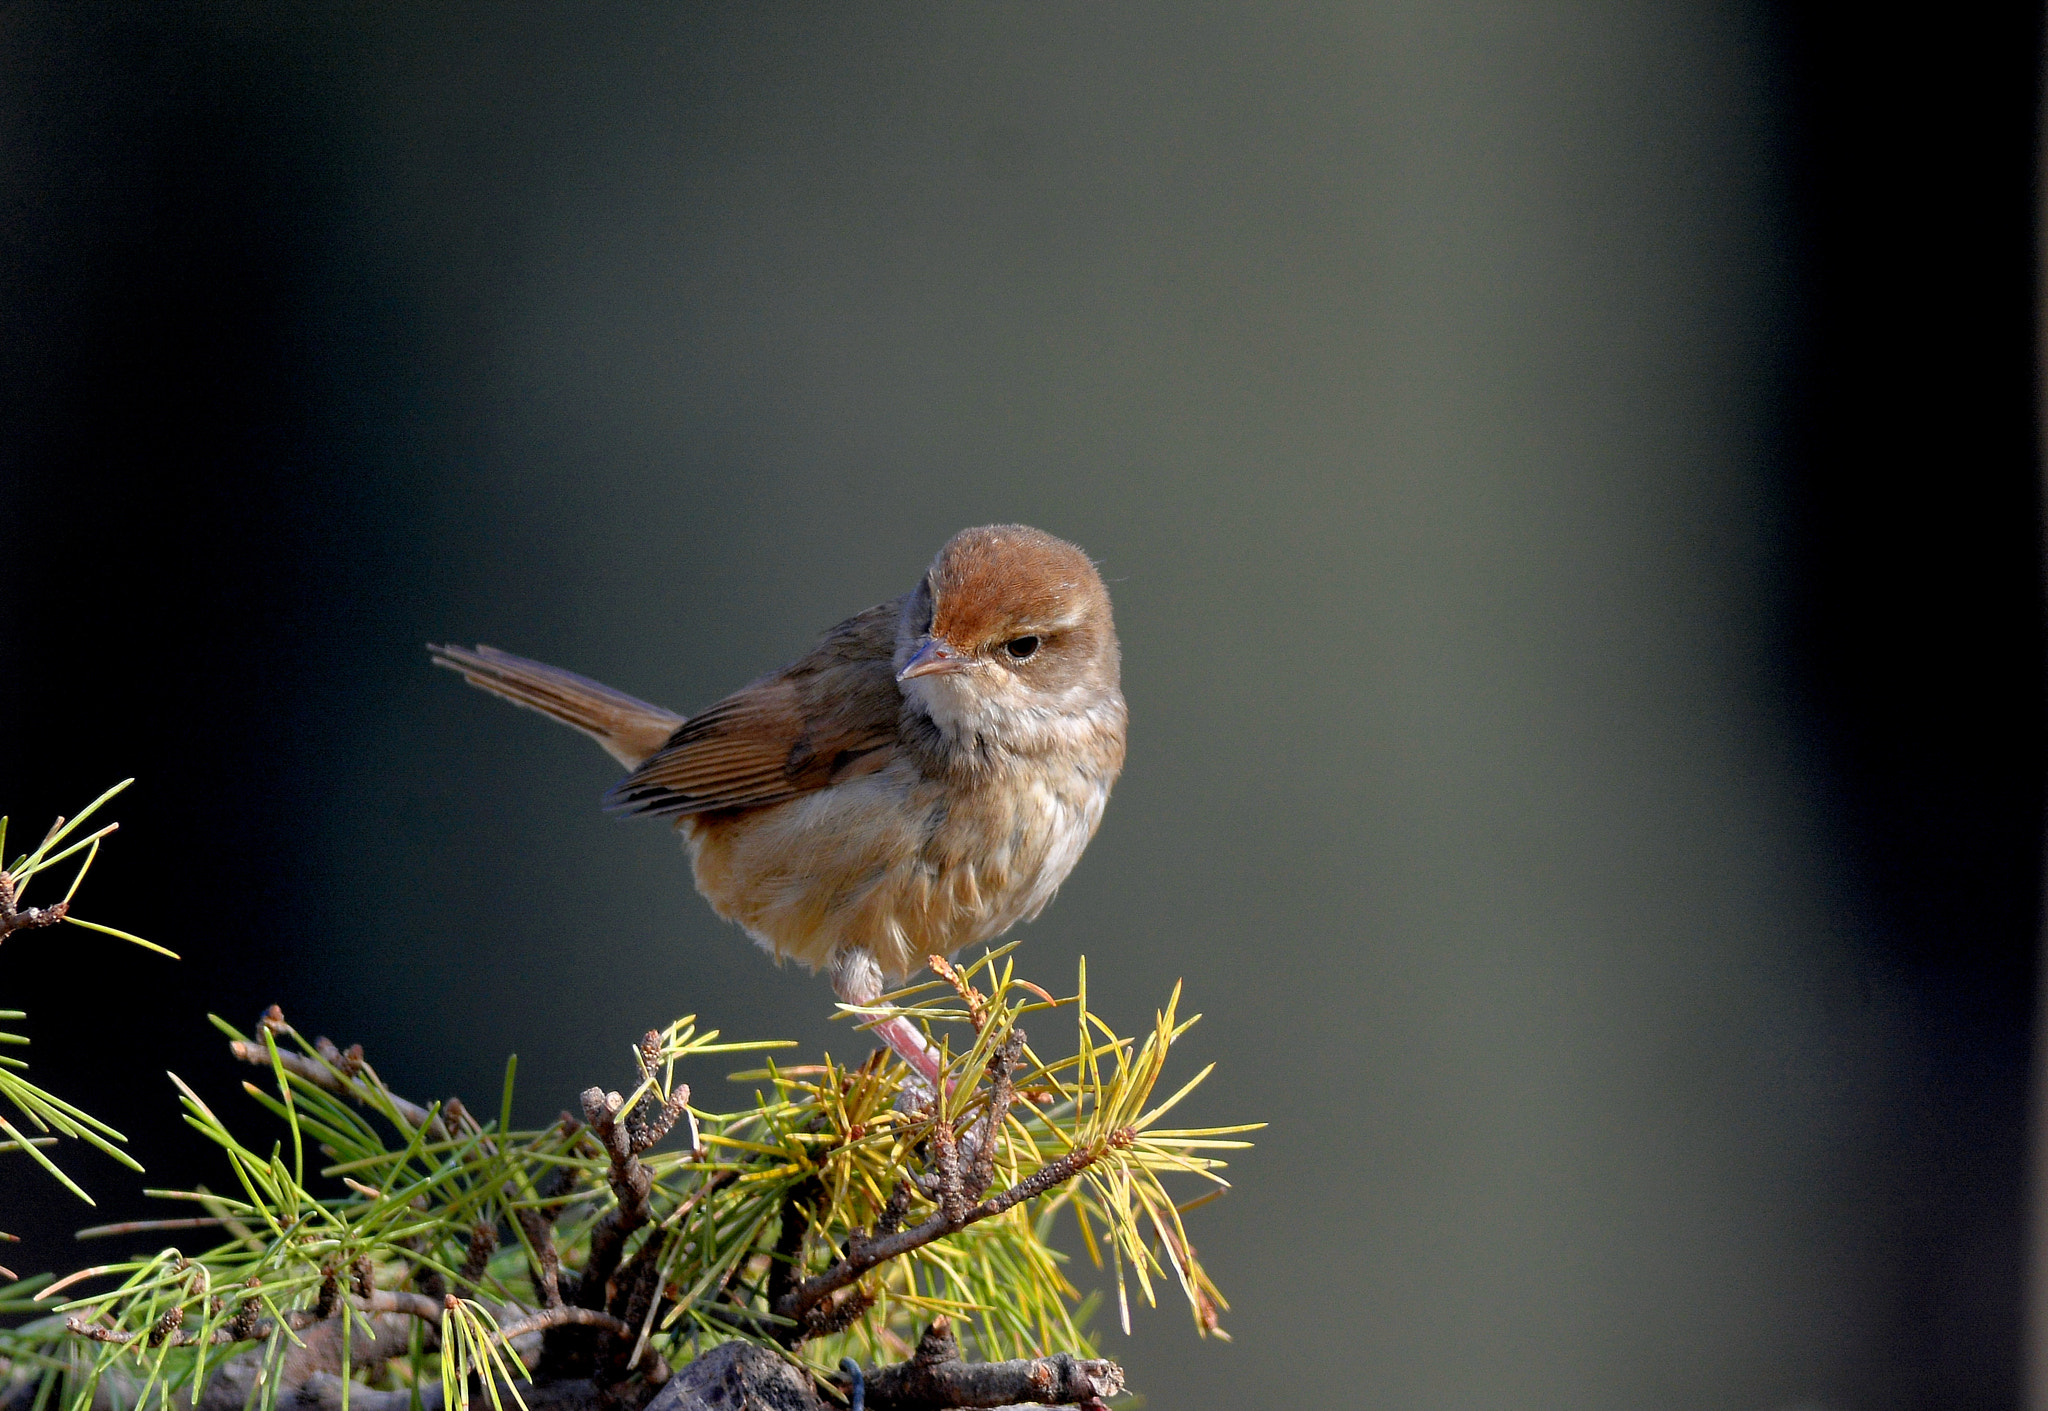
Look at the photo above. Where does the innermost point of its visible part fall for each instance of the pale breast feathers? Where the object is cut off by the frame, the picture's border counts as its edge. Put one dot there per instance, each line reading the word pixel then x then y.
pixel 829 717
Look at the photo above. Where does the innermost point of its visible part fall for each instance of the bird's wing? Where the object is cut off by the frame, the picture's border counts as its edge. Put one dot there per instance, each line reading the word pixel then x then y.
pixel 828 717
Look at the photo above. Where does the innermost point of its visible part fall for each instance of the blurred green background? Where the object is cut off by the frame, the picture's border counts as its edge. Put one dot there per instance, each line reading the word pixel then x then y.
pixel 1564 473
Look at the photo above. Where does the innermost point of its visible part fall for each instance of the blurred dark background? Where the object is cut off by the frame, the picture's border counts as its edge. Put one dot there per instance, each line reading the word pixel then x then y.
pixel 1568 479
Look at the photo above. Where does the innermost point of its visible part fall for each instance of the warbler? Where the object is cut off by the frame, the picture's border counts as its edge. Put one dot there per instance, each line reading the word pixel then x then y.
pixel 921 780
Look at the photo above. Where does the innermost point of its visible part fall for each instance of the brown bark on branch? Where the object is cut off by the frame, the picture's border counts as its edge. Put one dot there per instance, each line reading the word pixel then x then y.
pixel 936 1379
pixel 29 917
pixel 246 1327
pixel 562 1317
pixel 1059 1380
pixel 804 1304
pixel 623 1135
pixel 741 1374
pixel 339 1073
pixel 622 1132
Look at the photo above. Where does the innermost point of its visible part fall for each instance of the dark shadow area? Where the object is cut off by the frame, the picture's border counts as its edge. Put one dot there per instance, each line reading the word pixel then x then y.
pixel 1914 583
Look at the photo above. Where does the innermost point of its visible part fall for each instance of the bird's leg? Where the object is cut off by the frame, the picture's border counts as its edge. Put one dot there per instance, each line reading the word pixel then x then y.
pixel 857 979
pixel 913 1048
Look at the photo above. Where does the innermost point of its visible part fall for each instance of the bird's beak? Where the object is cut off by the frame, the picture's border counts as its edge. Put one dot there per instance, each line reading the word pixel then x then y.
pixel 933 657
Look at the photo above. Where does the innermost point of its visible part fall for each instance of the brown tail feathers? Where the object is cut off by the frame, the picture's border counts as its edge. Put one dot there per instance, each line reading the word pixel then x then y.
pixel 629 729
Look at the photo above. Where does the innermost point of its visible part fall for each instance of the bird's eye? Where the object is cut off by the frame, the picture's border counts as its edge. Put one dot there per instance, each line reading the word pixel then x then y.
pixel 1021 648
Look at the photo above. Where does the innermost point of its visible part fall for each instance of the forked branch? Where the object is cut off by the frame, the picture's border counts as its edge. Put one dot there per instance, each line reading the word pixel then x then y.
pixel 27 918
pixel 343 1073
pixel 955 1183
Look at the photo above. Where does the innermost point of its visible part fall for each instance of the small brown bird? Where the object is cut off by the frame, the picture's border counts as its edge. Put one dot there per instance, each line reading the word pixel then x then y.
pixel 922 780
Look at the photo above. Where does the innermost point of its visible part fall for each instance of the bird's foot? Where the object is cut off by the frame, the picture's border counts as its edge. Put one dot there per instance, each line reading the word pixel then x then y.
pixel 914 1095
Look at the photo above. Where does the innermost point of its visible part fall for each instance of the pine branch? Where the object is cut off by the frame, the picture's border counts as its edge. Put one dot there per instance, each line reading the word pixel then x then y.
pixel 936 1379
pixel 29 917
pixel 624 1133
pixel 805 1309
pixel 866 1252
pixel 337 1072
pixel 247 1327
pixel 616 1260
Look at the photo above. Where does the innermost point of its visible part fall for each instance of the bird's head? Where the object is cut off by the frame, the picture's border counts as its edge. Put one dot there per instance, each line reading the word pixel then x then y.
pixel 1009 636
